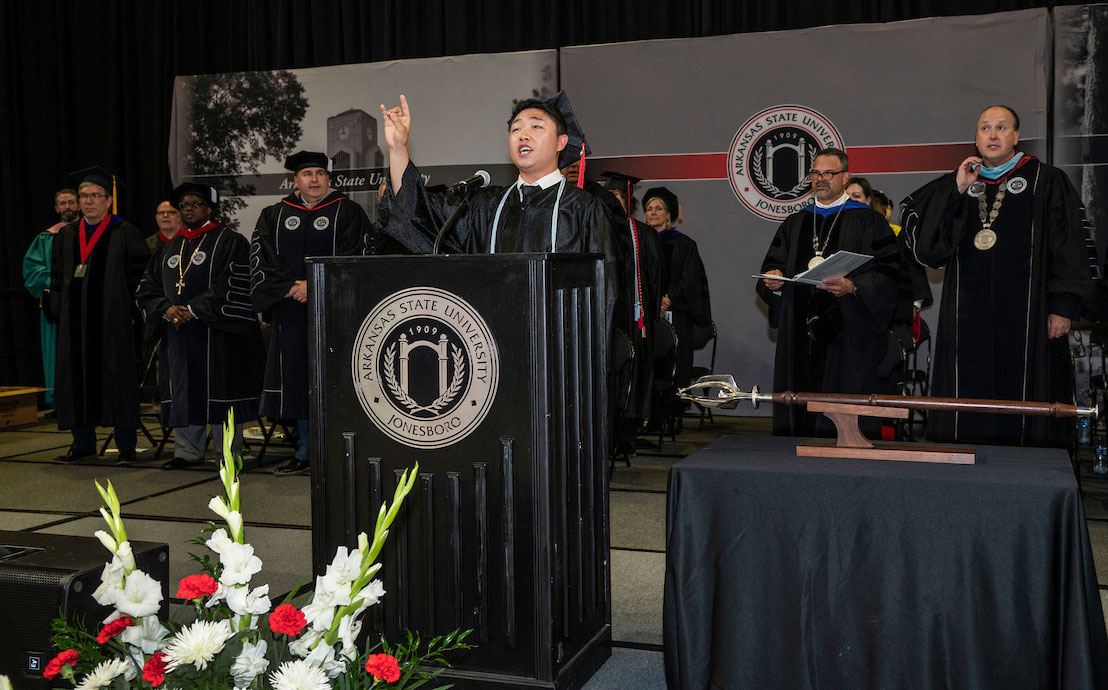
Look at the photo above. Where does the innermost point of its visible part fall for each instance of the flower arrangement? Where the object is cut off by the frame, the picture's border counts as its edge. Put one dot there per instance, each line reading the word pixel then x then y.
pixel 238 639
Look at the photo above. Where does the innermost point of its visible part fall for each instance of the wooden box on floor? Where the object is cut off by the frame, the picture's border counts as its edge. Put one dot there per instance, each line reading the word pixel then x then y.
pixel 18 405
pixel 489 372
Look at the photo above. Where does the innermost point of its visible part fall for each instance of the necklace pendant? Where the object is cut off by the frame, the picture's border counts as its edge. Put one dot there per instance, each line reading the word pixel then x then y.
pixel 180 285
pixel 81 270
pixel 985 239
pixel 815 261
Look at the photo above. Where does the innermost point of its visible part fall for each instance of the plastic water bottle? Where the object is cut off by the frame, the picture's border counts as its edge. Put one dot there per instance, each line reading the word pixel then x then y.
pixel 1100 466
pixel 1084 430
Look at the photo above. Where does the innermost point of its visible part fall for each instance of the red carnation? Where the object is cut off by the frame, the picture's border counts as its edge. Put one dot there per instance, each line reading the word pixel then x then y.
pixel 287 619
pixel 114 628
pixel 154 670
pixel 196 587
pixel 383 666
pixel 69 656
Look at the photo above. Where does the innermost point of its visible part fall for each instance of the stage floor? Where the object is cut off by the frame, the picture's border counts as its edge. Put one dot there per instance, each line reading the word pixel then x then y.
pixel 37 494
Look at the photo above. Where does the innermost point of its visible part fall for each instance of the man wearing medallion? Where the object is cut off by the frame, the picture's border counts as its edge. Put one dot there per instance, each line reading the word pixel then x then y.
pixel 1020 263
pixel 830 337
pixel 315 220
pixel 195 295
pixel 96 265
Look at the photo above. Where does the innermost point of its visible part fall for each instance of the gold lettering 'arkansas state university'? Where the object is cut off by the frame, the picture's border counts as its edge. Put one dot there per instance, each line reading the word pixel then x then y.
pixel 425 367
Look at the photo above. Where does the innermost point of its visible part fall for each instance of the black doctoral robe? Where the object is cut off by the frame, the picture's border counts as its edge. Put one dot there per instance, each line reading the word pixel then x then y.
pixel 992 334
pixel 414 217
pixel 213 363
pixel 851 332
pixel 97 376
pixel 286 234
pixel 685 282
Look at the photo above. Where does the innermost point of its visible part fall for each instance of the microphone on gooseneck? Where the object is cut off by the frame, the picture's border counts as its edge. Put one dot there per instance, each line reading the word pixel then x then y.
pixel 477 180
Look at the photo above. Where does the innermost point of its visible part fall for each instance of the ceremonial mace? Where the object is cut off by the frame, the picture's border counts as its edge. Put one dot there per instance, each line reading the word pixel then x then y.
pixel 844 409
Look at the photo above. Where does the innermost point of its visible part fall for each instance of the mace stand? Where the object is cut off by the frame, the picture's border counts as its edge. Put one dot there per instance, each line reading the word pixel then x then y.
pixel 852 444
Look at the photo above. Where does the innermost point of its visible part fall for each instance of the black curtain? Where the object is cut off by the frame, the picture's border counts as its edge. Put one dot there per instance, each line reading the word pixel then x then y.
pixel 88 83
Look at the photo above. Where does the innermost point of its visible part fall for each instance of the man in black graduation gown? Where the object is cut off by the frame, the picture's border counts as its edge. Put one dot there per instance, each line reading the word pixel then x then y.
pixel 195 295
pixel 540 212
pixel 830 337
pixel 639 298
pixel 96 265
pixel 1020 266
pixel 315 220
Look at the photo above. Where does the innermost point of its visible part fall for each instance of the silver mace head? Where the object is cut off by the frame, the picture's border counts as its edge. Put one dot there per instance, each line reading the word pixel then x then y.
pixel 720 390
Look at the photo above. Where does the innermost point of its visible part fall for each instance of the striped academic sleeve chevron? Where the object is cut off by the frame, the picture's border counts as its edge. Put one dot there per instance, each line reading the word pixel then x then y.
pixel 238 304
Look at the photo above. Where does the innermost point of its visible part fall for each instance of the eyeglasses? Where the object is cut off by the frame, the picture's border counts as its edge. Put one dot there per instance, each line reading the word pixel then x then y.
pixel 822 175
pixel 191 204
pixel 95 196
pixel 165 213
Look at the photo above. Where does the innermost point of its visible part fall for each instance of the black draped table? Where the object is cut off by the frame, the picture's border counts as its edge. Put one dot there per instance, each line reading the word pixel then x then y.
pixel 795 573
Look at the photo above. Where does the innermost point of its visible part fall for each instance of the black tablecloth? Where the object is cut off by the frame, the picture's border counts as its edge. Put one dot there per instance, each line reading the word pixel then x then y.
pixel 793 573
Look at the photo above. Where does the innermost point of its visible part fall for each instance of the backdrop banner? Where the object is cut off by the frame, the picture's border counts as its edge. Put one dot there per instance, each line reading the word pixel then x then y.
pixel 234 130
pixel 731 123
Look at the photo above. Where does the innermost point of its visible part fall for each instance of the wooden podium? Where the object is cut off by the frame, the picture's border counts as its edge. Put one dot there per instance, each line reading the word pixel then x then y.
pixel 489 370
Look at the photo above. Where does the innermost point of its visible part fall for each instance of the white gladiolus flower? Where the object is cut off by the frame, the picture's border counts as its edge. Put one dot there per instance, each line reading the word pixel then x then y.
pixel 5 684
pixel 349 628
pixel 239 564
pixel 325 658
pixel 104 673
pixel 363 543
pixel 148 636
pixel 249 663
pixel 219 507
pixel 111 582
pixel 244 602
pixel 125 556
pixel 141 595
pixel 219 541
pixel 302 646
pixel 299 675
pixel 234 520
pixel 198 644
pixel 345 567
pixel 105 539
pixel 372 592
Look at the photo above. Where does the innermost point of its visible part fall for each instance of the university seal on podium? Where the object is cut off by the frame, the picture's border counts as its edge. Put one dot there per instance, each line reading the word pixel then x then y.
pixel 425 367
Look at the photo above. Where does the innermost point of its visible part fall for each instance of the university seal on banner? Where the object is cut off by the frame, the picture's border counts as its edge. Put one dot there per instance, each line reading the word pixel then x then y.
pixel 771 155
pixel 425 367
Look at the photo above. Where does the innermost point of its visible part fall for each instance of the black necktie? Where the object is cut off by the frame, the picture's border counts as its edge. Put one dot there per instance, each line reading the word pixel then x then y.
pixel 528 191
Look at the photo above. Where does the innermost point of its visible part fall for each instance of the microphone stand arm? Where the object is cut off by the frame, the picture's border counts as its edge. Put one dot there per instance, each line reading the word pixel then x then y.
pixel 449 222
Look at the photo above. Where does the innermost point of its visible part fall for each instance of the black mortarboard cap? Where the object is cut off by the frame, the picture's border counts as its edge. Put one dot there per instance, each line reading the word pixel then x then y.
pixel 668 198
pixel 307 159
pixel 618 180
pixel 206 192
pixel 572 151
pixel 96 175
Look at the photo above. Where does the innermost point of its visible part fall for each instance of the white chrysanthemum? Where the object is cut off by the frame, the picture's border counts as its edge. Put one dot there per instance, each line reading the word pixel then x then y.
pixel 245 602
pixel 104 673
pixel 111 582
pixel 249 663
pixel 299 675
pixel 141 595
pixel 148 636
pixel 197 644
pixel 239 564
pixel 345 567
